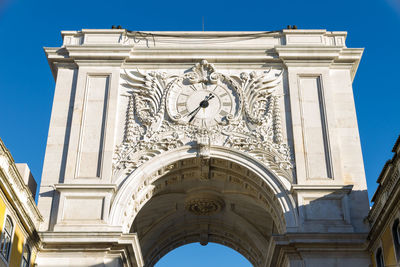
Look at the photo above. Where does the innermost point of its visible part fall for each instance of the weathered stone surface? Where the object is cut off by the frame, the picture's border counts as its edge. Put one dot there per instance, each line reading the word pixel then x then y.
pixel 162 139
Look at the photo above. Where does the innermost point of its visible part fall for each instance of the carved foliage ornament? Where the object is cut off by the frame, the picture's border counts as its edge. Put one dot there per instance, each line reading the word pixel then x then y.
pixel 202 107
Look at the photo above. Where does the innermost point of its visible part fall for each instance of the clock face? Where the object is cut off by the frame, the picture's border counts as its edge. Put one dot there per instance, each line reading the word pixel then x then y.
pixel 186 103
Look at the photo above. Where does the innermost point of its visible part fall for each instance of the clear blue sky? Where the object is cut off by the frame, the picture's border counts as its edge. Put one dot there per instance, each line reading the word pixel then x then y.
pixel 26 83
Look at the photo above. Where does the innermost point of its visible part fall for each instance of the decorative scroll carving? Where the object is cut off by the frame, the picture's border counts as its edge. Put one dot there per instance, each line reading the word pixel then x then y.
pixel 149 92
pixel 203 72
pixel 256 129
pixel 256 90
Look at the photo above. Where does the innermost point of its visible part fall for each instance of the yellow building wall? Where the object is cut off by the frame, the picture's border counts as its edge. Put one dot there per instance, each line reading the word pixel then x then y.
pixel 2 212
pixel 18 239
pixel 33 258
pixel 373 260
pixel 387 247
pixel 17 247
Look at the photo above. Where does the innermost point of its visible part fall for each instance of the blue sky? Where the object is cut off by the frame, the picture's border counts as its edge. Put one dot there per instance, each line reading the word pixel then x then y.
pixel 26 83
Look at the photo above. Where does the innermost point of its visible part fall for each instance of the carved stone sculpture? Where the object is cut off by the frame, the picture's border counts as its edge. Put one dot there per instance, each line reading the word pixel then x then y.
pixel 164 114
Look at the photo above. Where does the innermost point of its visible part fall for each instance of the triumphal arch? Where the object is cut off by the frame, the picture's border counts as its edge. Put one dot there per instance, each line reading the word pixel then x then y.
pixel 246 139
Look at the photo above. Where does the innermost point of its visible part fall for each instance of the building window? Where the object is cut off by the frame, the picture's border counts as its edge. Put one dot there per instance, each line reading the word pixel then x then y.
pixel 396 238
pixel 26 256
pixel 5 243
pixel 379 258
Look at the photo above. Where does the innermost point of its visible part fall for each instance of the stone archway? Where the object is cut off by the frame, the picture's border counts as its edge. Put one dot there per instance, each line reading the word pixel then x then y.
pixel 123 125
pixel 224 175
pixel 179 198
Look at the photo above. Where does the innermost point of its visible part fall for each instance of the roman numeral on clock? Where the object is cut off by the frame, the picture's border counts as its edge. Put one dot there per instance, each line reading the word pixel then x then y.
pixel 223 113
pixel 184 112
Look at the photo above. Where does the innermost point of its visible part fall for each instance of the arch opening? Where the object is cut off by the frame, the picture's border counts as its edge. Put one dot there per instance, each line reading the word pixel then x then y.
pixel 207 200
pixel 196 255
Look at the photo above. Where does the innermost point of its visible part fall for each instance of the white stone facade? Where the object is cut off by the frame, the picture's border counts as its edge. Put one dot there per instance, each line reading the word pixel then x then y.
pixel 247 139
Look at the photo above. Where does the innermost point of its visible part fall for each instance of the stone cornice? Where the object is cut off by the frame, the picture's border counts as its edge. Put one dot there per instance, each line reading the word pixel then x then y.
pixel 98 52
pixel 18 193
pixel 292 56
pixel 80 237
pixel 53 241
pixel 332 56
pixel 312 52
pixel 318 240
pixel 213 55
pixel 118 46
pixel 337 188
pixel 294 244
pixel 85 187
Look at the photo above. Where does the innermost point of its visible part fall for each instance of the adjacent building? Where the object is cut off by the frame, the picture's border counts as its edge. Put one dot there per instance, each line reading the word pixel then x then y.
pixel 384 217
pixel 19 216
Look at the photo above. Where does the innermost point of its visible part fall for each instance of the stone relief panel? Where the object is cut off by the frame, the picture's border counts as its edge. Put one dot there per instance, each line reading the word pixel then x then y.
pixel 202 108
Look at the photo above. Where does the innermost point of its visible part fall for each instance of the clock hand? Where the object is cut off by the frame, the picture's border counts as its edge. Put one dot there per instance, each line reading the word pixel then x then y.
pixel 200 104
pixel 203 104
pixel 196 109
pixel 209 97
pixel 194 115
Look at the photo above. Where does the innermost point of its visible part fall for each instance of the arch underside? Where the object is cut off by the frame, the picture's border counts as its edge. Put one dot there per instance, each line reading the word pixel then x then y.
pixel 207 200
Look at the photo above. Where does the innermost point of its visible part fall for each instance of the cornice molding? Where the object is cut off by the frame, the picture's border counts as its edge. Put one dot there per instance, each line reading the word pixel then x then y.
pixel 380 215
pixel 118 55
pixel 386 199
pixel 312 52
pixel 80 237
pixel 329 56
pixel 54 241
pixel 316 240
pixel 85 187
pixel 293 244
pixel 118 46
pixel 98 51
pixel 343 188
pixel 19 194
